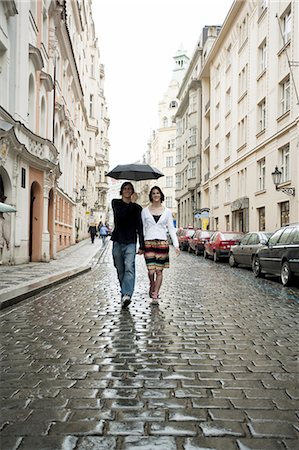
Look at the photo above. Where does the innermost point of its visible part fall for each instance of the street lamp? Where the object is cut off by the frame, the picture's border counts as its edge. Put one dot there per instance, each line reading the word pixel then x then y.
pixel 276 176
pixel 82 198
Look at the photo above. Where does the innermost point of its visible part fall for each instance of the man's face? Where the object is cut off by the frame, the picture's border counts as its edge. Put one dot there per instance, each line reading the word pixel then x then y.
pixel 127 191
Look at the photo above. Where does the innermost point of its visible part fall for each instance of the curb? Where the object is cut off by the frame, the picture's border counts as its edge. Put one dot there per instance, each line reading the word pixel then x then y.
pixel 17 295
pixel 32 288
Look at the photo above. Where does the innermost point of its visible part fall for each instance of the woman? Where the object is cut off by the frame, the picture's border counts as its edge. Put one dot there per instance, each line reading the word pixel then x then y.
pixel 157 220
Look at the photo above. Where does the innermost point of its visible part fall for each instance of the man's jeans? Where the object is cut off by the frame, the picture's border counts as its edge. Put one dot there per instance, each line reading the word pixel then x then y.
pixel 124 262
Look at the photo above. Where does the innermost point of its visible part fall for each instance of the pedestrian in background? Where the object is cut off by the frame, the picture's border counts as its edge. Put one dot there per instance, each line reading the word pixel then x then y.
pixel 92 230
pixel 127 225
pixel 103 231
pixel 157 220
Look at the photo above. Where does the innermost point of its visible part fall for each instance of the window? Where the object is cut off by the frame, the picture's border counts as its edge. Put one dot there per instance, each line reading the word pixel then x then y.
pixel 284 214
pixel 91 105
pixel 217 114
pixel 261 174
pixel 228 100
pixel 178 155
pixel 227 222
pixel 229 55
pixel 261 218
pixel 216 195
pixel 178 181
pixel 227 190
pixel 286 25
pixel 23 177
pixel 217 155
pixel 168 202
pixel 243 81
pixel 169 161
pixel 92 66
pixel 169 182
pixel 242 131
pixel 285 163
pixel 262 115
pixel 263 56
pixel 192 169
pixel 173 104
pixel 243 31
pixel 192 136
pixel 165 122
pixel 285 95
pixel 227 145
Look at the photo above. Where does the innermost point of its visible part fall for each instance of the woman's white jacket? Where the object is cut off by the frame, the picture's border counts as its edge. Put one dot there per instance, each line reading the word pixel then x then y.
pixel 153 230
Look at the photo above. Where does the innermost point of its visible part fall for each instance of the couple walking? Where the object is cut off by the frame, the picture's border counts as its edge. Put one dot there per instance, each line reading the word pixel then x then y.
pixel 151 225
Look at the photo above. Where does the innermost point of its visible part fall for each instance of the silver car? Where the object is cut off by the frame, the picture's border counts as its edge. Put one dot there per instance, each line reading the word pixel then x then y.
pixel 243 253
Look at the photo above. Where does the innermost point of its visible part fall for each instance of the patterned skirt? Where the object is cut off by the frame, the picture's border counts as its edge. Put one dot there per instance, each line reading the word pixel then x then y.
pixel 156 254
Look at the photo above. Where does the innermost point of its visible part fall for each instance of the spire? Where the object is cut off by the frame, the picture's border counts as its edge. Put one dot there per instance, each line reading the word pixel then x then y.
pixel 181 62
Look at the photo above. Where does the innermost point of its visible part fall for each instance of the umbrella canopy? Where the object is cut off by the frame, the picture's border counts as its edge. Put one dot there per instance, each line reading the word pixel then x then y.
pixel 4 208
pixel 135 172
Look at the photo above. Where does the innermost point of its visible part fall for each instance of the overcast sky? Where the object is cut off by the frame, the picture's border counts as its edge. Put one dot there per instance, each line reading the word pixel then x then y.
pixel 137 42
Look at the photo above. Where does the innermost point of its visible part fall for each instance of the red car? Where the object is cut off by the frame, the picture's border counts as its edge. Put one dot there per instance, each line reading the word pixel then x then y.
pixel 184 234
pixel 220 243
pixel 198 240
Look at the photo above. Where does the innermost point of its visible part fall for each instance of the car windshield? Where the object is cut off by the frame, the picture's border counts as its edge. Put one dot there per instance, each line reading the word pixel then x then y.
pixel 232 236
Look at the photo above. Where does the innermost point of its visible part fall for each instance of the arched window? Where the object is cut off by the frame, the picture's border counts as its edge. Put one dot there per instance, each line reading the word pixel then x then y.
pixel 173 104
pixel 43 117
pixel 31 103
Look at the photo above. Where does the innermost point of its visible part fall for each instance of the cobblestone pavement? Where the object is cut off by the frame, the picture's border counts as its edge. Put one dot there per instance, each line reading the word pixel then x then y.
pixel 19 282
pixel 212 367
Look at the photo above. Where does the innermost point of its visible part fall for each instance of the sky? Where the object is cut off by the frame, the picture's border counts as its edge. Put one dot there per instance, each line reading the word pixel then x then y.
pixel 137 41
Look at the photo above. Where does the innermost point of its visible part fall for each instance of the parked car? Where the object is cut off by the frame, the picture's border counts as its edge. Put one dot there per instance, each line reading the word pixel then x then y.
pixel 220 244
pixel 280 256
pixel 198 240
pixel 243 253
pixel 184 234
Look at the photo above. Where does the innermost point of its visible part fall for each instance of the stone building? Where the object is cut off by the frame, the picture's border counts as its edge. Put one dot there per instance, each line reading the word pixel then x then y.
pixel 162 143
pixel 188 135
pixel 54 146
pixel 250 118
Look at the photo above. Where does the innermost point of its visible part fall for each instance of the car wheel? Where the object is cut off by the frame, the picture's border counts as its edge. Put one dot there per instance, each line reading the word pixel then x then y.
pixel 256 267
pixel 205 255
pixel 232 261
pixel 285 273
pixel 215 257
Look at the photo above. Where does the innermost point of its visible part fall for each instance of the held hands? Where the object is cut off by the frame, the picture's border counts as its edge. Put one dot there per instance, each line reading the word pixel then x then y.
pixel 140 252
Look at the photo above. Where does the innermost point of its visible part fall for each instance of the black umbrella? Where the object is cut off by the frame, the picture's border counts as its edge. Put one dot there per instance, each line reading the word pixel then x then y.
pixel 135 172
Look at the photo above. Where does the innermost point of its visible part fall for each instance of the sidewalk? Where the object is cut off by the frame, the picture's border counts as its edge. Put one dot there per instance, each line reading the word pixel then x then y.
pixel 22 281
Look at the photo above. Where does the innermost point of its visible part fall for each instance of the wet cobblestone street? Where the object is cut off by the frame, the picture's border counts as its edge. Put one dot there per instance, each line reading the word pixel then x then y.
pixel 212 367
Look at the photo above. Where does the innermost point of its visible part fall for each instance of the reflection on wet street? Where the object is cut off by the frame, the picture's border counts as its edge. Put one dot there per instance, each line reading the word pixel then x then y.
pixel 212 367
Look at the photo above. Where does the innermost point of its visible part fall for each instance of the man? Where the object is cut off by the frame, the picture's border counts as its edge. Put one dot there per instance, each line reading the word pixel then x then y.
pixel 127 224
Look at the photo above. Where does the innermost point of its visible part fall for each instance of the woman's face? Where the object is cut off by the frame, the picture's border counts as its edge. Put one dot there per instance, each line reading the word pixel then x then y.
pixel 156 196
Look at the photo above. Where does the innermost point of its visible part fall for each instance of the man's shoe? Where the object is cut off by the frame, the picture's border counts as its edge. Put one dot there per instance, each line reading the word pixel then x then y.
pixel 125 301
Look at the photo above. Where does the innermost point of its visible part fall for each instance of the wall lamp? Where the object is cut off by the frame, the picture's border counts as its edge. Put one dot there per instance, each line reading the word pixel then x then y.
pixel 276 176
pixel 82 198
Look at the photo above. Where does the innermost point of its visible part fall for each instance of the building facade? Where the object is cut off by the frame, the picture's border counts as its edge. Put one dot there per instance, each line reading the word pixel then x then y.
pixel 250 118
pixel 54 146
pixel 188 135
pixel 162 143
